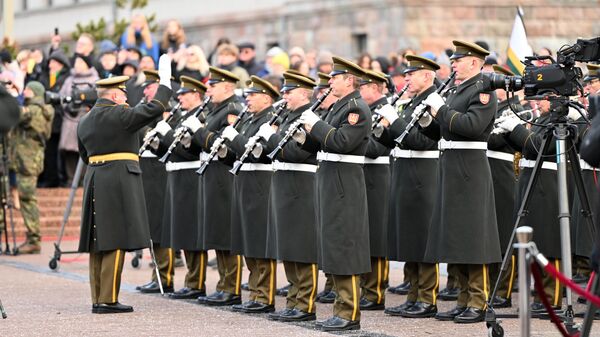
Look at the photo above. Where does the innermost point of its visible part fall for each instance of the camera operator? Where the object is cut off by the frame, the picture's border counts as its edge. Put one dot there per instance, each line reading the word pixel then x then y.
pixel 27 142
pixel 82 75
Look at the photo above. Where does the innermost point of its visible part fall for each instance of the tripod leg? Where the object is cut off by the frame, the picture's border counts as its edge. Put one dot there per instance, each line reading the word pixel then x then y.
pixel 67 213
pixel 586 326
pixel 2 311
pixel 522 212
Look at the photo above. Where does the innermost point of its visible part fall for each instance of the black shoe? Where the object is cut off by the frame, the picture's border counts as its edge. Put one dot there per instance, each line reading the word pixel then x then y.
pixel 538 310
pixel 336 323
pixel 187 293
pixel 144 285
pixel 296 315
pixel 580 278
pixel 449 315
pixel 321 294
pixel 398 310
pixel 471 315
pixel 449 294
pixel 581 300
pixel 253 307
pixel 221 298
pixel 111 308
pixel 275 315
pixel 154 288
pixel 501 302
pixel 401 289
pixel 245 286
pixel 365 304
pixel 420 310
pixel 283 291
pixel 328 298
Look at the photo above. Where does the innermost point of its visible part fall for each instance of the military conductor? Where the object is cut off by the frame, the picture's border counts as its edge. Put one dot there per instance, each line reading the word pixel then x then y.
pixel 114 216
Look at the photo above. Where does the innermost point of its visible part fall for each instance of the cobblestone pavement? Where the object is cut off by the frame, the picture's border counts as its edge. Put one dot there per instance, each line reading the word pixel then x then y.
pixel 41 302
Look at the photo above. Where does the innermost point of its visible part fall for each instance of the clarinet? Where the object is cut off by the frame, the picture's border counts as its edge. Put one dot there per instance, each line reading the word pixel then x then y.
pixel 181 131
pixel 152 138
pixel 421 109
pixel 253 141
pixel 393 100
pixel 218 143
pixel 290 132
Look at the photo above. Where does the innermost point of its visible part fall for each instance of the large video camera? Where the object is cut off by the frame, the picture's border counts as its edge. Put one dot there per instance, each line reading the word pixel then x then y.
pixel 560 78
pixel 82 95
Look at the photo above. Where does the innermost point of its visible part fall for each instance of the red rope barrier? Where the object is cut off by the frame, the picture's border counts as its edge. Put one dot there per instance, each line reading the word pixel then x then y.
pixel 588 287
pixel 569 283
pixel 539 288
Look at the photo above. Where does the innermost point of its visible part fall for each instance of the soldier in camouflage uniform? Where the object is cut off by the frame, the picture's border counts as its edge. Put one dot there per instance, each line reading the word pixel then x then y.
pixel 28 140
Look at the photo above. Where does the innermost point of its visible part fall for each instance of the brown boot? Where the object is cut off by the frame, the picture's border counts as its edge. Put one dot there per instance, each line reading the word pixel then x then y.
pixel 30 248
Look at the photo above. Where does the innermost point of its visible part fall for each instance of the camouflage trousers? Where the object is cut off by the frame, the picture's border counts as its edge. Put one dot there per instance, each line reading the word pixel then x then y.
pixel 26 185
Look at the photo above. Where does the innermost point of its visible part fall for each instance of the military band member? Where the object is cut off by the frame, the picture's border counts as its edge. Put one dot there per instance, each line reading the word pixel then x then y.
pixel 182 214
pixel 292 221
pixel 413 193
pixel 543 204
pixel 501 158
pixel 249 214
pixel 343 222
pixel 216 187
pixel 328 294
pixel 154 178
pixel 377 179
pixel 463 229
pixel 114 218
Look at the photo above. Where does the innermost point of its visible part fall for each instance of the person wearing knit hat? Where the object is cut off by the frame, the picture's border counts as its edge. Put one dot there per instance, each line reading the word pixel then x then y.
pixel 28 142
pixel 227 58
pixel 463 124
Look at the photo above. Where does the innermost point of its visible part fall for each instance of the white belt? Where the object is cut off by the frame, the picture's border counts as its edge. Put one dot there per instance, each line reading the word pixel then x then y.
pixel 548 165
pixel 501 155
pixel 460 145
pixel 256 167
pixel 585 166
pixel 148 154
pixel 183 165
pixel 336 157
pixel 378 160
pixel 399 153
pixel 283 166
pixel 206 156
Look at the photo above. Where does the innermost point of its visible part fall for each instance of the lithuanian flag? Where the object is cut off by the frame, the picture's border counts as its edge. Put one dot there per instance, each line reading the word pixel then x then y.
pixel 518 46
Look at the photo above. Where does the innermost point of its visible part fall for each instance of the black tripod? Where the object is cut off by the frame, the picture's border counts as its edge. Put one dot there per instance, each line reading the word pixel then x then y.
pixel 565 135
pixel 5 198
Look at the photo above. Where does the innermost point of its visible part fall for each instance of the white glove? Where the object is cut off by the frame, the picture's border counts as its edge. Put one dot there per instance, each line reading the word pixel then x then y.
pixel 388 112
pixel 425 120
pixel 222 152
pixel 257 151
pixel 309 118
pixel 299 136
pixel 164 70
pixel 192 123
pixel 509 124
pixel 230 133
pixel 265 131
pixel 162 127
pixel 149 135
pixel 435 101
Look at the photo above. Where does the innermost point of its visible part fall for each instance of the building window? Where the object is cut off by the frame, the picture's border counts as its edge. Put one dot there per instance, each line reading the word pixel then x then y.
pixel 359 43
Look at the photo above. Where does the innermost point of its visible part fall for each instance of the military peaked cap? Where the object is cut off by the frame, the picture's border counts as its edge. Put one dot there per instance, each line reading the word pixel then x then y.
pixel 221 75
pixel 190 84
pixel 293 81
pixel 464 48
pixel 343 66
pixel 258 85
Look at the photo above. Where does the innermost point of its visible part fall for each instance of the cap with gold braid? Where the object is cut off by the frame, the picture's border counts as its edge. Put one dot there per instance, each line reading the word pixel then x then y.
pixel 464 48
pixel 501 70
pixel 190 84
pixel 258 85
pixel 343 66
pixel 296 72
pixel 370 76
pixel 115 82
pixel 221 75
pixel 323 81
pixel 593 72
pixel 151 77
pixel 419 63
pixel 294 81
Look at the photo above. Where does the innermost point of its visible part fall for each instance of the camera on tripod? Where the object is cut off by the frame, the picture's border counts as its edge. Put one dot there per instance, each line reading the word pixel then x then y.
pixel 559 78
pixel 82 94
